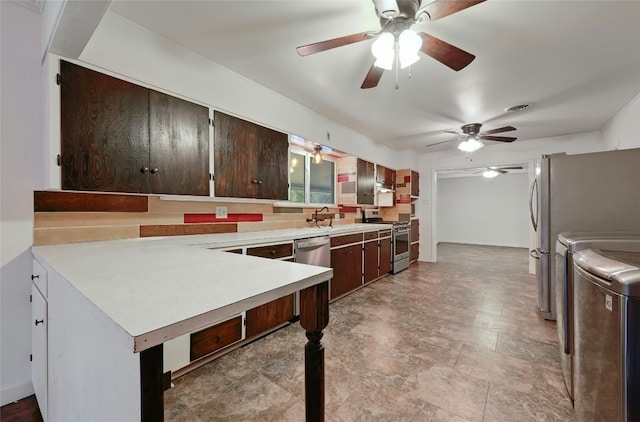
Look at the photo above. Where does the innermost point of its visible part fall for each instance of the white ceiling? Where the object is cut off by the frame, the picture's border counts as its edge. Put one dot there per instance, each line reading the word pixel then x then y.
pixel 577 62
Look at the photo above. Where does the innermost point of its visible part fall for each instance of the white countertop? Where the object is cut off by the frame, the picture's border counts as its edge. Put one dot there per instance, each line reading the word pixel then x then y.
pixel 156 289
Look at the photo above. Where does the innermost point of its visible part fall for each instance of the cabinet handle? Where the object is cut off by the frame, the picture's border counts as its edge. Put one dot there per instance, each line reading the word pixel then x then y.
pixel 218 338
pixel 273 253
pixel 256 181
pixel 144 169
pixel 39 322
pixel 155 170
pixel 33 277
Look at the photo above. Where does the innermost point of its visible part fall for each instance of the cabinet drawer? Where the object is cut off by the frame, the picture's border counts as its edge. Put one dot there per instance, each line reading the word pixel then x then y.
pixel 270 315
pixel 346 239
pixel 384 233
pixel 39 277
pixel 215 337
pixel 272 251
pixel 370 235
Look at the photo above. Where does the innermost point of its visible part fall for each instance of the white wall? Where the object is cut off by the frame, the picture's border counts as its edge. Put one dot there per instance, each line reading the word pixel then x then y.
pixel 623 131
pixel 515 153
pixel 481 211
pixel 21 173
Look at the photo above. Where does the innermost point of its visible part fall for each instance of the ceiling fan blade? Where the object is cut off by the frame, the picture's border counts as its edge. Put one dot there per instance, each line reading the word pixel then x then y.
pixel 439 143
pixel 499 130
pixel 441 8
pixel 454 132
pixel 510 168
pixel 373 77
pixel 445 53
pixel 317 47
pixel 498 138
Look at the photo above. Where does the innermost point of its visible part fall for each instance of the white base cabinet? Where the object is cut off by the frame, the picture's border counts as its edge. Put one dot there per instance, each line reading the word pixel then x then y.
pixel 39 337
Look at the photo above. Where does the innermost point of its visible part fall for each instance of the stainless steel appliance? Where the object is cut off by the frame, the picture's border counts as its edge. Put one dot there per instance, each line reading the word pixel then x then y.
pixel 567 245
pixel 583 192
pixel 312 251
pixel 607 335
pixel 401 233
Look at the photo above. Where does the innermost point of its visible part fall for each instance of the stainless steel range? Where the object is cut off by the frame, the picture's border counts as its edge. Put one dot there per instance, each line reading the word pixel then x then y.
pixel 401 234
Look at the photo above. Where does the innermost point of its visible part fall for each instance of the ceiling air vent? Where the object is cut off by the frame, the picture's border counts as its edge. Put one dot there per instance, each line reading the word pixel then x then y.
pixel 517 108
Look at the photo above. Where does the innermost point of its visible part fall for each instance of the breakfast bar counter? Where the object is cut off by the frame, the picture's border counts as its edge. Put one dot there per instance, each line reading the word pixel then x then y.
pixel 112 305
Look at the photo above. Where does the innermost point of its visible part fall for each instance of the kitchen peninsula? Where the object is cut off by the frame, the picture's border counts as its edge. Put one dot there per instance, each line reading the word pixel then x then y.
pixel 112 305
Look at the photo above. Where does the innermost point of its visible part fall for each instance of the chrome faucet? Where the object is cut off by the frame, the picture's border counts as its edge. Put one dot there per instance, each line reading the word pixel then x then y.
pixel 317 218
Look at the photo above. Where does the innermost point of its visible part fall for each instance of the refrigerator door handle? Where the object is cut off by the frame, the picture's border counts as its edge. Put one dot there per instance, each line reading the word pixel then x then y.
pixel 534 253
pixel 532 214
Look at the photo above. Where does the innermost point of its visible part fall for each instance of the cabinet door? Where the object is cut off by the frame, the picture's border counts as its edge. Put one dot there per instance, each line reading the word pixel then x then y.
pixel 269 315
pixel 104 132
pixel 273 165
pixel 179 146
pixel 385 256
pixel 415 183
pixel 365 182
pixel 414 252
pixel 370 260
pixel 250 161
pixel 415 231
pixel 39 348
pixel 347 269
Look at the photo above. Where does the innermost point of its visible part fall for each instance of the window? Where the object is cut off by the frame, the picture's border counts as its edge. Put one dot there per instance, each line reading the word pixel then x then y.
pixel 310 182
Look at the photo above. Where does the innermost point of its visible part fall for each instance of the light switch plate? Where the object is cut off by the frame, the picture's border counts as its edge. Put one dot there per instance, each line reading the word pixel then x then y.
pixel 221 212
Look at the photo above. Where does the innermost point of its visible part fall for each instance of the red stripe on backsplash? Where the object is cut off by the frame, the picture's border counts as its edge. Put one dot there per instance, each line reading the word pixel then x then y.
pixel 211 218
pixel 347 209
pixel 407 179
pixel 403 199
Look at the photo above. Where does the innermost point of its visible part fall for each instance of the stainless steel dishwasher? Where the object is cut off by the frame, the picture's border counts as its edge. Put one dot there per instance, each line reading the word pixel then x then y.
pixel 312 251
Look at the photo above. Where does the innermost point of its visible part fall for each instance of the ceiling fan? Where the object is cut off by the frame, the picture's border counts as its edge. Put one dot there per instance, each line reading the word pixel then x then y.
pixel 471 138
pixel 493 171
pixel 396 17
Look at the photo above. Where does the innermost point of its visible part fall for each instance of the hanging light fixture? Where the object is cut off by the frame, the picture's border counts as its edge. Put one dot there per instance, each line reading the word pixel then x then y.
pixel 317 154
pixel 386 49
pixel 471 144
pixel 490 173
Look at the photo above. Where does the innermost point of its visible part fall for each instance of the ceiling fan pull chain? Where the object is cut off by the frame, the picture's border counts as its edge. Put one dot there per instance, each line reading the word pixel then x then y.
pixel 397 63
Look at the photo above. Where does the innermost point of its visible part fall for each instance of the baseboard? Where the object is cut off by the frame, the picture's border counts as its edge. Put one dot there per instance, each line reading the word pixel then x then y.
pixel 15 392
pixel 468 242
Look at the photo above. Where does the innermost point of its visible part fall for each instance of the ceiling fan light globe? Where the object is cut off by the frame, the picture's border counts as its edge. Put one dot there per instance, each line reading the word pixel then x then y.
pixel 490 173
pixel 383 49
pixel 409 41
pixel 470 145
pixel 407 60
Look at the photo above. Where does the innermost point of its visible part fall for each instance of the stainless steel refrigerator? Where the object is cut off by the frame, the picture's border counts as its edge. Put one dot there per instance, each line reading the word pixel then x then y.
pixel 582 192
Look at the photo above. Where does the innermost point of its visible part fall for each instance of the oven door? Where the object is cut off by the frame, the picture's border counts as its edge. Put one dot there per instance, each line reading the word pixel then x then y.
pixel 400 244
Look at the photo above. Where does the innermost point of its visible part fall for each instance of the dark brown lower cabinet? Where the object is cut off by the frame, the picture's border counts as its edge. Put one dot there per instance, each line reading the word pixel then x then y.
pixel 370 260
pixel 385 256
pixel 215 337
pixel 347 269
pixel 269 315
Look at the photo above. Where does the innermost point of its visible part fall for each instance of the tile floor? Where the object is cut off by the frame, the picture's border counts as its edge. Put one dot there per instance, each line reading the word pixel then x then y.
pixel 458 340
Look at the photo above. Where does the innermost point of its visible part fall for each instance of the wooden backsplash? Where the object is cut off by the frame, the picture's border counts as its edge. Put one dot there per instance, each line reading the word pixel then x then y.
pixel 64 217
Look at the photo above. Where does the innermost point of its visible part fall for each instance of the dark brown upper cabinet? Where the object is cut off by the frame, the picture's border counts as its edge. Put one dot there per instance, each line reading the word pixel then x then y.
pixel 385 177
pixel 365 182
pixel 117 136
pixel 415 183
pixel 250 161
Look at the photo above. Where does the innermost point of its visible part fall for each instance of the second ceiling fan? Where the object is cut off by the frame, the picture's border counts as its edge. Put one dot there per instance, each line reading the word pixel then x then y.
pixel 396 43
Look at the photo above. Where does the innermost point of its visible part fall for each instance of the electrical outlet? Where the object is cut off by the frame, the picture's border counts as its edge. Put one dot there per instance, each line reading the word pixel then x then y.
pixel 337 216
pixel 221 212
